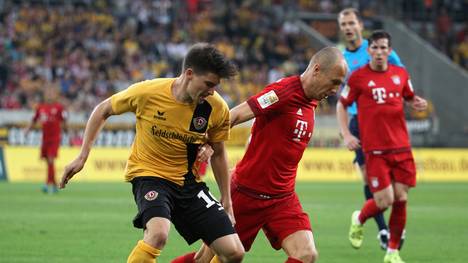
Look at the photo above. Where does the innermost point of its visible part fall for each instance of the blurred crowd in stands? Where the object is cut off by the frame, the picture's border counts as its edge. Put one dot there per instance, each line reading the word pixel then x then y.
pixel 444 23
pixel 92 49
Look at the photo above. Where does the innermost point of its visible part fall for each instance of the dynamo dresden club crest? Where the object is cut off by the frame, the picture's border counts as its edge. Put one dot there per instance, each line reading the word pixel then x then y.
pixel 199 123
pixel 151 195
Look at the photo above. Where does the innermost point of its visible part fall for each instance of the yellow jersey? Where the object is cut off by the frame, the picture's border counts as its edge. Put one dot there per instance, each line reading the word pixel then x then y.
pixel 169 132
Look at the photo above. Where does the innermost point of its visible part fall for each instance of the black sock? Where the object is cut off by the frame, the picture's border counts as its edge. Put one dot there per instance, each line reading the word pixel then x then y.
pixel 367 193
pixel 379 218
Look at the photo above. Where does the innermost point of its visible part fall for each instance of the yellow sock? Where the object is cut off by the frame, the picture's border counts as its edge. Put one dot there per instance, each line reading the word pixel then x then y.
pixel 215 260
pixel 143 253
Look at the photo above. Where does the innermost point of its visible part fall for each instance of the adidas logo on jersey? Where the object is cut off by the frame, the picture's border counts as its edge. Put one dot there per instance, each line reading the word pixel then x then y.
pixel 371 84
pixel 299 112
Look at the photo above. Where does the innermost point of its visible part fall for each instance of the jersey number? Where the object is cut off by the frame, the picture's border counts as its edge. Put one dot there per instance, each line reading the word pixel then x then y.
pixel 209 202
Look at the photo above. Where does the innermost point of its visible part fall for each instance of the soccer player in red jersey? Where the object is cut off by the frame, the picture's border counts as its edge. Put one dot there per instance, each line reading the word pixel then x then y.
pixel 263 182
pixel 52 117
pixel 380 89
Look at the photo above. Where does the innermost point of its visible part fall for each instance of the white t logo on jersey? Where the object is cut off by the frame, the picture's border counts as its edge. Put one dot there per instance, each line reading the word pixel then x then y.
pixel 379 95
pixel 300 131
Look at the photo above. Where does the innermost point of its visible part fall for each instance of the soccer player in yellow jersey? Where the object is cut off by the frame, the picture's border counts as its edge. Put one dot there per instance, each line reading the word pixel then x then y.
pixel 174 116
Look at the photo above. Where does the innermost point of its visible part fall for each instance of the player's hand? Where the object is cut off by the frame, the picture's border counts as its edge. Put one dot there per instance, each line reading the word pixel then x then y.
pixel 228 208
pixel 70 170
pixel 418 103
pixel 205 152
pixel 351 142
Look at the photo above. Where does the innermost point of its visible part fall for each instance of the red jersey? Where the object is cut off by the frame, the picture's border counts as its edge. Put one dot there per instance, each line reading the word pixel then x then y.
pixel 284 122
pixel 379 96
pixel 50 116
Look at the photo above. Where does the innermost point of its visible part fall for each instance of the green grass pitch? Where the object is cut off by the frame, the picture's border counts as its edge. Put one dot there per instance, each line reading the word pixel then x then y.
pixel 91 222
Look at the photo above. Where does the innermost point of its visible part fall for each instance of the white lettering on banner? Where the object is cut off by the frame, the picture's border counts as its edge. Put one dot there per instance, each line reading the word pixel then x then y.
pixel 114 138
pixel 300 131
pixel 379 95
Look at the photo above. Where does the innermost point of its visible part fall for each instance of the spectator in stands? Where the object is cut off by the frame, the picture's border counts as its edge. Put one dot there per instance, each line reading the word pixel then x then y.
pixel 444 31
pixel 461 53
pixel 128 44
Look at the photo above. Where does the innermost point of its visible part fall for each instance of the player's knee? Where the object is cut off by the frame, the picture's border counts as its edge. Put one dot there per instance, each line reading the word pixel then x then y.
pixel 156 239
pixel 307 255
pixel 401 197
pixel 233 256
pixel 384 201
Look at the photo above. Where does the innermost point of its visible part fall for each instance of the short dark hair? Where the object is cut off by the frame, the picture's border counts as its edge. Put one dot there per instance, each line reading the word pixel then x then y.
pixel 351 10
pixel 379 34
pixel 327 58
pixel 204 58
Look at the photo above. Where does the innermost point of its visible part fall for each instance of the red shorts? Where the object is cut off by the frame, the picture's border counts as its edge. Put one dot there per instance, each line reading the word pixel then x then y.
pixel 278 218
pixel 383 169
pixel 49 149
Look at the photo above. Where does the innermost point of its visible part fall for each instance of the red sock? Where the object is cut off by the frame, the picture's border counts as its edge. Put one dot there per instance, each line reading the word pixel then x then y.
pixel 187 258
pixel 292 260
pixel 397 223
pixel 369 210
pixel 51 174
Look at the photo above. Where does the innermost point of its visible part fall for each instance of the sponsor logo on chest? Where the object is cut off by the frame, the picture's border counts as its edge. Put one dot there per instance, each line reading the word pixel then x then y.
pixel 160 115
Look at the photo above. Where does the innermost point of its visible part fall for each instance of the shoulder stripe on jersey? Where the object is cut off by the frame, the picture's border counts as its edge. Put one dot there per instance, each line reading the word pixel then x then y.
pixel 192 150
pixel 201 116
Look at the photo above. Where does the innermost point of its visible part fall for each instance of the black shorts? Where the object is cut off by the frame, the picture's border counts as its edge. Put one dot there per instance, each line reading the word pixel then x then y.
pixel 354 129
pixel 195 213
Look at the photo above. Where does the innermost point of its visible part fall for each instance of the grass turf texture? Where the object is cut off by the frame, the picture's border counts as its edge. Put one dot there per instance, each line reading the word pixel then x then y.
pixel 91 222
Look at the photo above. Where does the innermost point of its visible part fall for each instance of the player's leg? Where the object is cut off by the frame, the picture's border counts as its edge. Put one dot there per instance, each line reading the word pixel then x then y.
pixel 288 227
pixel 379 180
pixel 45 188
pixel 154 198
pixel 186 258
pixel 154 240
pixel 360 163
pixel 203 217
pixel 383 234
pixel 397 223
pixel 204 254
pixel 405 177
pixel 51 182
pixel 249 220
pixel 227 249
pixel 50 150
pixel 398 215
pixel 300 247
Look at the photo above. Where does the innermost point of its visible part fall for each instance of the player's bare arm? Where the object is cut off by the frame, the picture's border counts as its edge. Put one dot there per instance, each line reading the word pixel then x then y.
pixel 95 123
pixel 241 113
pixel 351 142
pixel 219 164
